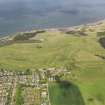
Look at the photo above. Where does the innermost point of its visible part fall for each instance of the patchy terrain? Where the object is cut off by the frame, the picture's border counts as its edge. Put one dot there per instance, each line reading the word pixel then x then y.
pixel 80 49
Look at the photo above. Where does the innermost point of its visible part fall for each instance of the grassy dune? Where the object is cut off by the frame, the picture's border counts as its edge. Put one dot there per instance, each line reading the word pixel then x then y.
pixel 83 54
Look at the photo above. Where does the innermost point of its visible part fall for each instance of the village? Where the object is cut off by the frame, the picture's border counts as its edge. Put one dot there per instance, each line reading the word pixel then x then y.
pixel 27 88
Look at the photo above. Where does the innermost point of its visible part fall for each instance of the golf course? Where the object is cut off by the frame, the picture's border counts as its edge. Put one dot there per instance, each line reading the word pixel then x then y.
pixel 79 49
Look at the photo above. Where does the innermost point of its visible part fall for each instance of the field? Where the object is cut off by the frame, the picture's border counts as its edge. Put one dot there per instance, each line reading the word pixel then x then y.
pixel 82 54
pixel 65 94
pixel 87 89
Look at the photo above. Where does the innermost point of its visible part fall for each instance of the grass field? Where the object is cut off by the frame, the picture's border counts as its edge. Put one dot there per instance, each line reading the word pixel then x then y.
pixel 84 54
pixel 65 94
pixel 57 49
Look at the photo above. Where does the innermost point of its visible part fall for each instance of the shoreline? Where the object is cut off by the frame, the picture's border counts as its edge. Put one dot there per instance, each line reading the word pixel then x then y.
pixel 68 27
pixel 57 28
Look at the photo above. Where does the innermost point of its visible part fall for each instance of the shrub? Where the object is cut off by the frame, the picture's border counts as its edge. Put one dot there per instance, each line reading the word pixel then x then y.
pixel 101 33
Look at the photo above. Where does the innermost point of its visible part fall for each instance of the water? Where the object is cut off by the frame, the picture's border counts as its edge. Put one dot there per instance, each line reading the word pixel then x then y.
pixel 22 15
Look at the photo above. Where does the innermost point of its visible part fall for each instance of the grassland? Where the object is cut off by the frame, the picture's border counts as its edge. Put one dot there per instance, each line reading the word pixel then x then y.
pixel 81 54
pixel 65 94
pixel 58 49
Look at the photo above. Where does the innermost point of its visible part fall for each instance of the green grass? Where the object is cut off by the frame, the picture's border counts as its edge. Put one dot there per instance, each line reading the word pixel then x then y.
pixel 60 94
pixel 80 93
pixel 63 50
pixel 19 98
pixel 56 50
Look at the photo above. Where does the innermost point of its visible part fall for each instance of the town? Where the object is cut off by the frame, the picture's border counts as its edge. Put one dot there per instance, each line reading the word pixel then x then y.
pixel 27 88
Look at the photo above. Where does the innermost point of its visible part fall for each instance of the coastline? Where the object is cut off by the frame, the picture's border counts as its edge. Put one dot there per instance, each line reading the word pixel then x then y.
pixel 90 24
pixel 68 27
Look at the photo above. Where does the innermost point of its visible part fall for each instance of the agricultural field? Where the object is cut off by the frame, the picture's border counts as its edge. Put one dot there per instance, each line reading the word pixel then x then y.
pixel 81 50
